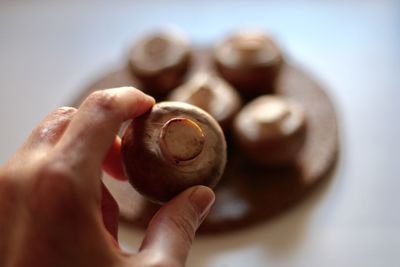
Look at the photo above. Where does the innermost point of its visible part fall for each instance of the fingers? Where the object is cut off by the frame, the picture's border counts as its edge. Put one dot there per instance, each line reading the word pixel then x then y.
pixel 92 131
pixel 51 128
pixel 112 164
pixel 172 230
pixel 109 211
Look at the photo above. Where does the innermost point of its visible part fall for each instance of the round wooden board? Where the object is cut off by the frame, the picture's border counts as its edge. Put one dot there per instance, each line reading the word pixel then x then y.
pixel 247 193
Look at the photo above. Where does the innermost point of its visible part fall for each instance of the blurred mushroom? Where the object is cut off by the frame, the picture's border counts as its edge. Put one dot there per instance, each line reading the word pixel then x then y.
pixel 271 130
pixel 250 61
pixel 212 94
pixel 160 61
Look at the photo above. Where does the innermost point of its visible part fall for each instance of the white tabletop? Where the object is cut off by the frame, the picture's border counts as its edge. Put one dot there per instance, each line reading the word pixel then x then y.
pixel 50 50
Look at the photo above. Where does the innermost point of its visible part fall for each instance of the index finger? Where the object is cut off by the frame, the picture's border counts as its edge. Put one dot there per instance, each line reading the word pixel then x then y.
pixel 92 130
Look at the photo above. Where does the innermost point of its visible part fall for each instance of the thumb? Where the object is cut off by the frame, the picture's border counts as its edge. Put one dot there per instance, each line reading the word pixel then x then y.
pixel 171 231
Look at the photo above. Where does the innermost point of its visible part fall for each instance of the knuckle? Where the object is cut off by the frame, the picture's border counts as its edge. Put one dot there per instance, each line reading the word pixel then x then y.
pixel 103 99
pixel 65 110
pixel 53 125
pixel 61 113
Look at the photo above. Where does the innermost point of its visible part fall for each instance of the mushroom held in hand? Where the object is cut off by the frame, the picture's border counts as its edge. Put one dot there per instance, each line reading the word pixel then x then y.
pixel 250 61
pixel 160 61
pixel 212 94
pixel 172 147
pixel 271 130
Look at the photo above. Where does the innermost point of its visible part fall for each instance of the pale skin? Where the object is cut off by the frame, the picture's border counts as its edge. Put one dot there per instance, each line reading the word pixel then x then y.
pixel 54 209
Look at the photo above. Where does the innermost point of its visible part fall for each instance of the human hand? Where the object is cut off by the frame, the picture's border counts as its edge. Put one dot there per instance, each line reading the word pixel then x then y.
pixel 54 209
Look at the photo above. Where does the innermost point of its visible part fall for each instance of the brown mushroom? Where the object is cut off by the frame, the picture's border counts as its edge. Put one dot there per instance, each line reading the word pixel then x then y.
pixel 160 61
pixel 271 130
pixel 212 94
pixel 172 147
pixel 250 61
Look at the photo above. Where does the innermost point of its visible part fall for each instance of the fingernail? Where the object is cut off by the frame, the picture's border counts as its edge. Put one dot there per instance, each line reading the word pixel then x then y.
pixel 150 98
pixel 202 199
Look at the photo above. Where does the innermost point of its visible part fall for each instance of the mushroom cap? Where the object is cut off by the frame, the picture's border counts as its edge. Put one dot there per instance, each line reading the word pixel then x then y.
pixel 158 52
pixel 250 61
pixel 212 94
pixel 247 49
pixel 271 129
pixel 158 165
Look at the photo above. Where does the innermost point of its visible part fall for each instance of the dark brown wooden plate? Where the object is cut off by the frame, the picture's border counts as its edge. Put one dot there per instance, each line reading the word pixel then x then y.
pixel 247 193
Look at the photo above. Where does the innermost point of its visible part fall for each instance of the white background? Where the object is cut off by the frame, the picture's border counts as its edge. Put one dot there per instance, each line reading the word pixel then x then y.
pixel 51 50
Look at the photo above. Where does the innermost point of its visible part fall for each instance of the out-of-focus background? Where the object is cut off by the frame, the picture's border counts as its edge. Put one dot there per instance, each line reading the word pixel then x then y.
pixel 51 50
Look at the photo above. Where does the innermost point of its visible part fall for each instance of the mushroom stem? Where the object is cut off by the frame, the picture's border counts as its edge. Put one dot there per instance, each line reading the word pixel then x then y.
pixel 202 97
pixel 181 139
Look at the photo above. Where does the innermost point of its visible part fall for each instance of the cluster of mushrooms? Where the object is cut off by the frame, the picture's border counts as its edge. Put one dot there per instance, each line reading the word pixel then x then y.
pixel 238 91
